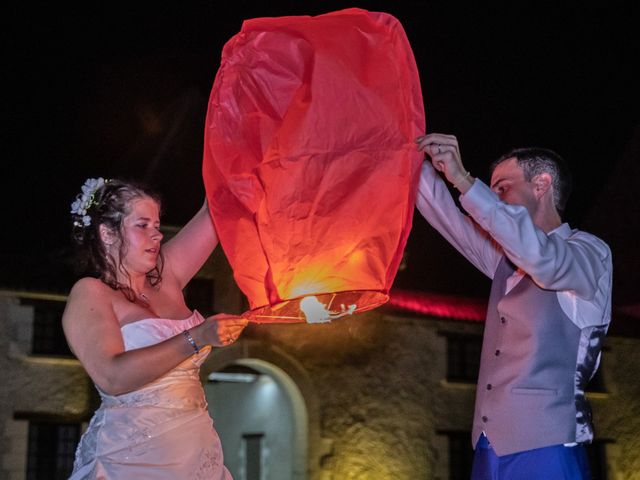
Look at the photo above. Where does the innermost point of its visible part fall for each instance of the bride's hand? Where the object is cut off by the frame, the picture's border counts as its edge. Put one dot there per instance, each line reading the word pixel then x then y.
pixel 221 329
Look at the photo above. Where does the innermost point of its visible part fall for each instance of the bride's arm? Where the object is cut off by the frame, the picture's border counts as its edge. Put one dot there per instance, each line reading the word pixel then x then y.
pixel 189 249
pixel 94 336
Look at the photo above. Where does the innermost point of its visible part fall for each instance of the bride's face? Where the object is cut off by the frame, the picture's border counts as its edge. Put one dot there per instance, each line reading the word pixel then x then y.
pixel 141 236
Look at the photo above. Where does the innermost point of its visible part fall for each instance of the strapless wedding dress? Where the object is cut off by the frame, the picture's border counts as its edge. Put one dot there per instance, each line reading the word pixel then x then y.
pixel 161 431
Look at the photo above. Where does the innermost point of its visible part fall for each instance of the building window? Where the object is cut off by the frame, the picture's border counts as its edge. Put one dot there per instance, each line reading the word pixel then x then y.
pixel 48 336
pixel 463 357
pixel 253 455
pixel 52 449
pixel 199 295
pixel 460 454
pixel 597 454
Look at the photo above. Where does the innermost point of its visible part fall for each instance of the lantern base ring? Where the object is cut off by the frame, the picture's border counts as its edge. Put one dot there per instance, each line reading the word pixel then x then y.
pixel 328 305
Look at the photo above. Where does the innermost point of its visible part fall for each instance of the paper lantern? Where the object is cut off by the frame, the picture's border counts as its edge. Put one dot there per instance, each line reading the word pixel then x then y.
pixel 309 166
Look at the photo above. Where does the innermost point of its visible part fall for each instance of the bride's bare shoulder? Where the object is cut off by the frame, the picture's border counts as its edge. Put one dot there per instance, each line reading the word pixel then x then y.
pixel 89 286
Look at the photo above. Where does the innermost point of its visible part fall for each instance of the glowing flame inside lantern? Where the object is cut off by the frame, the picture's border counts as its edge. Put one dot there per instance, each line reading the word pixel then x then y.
pixel 316 312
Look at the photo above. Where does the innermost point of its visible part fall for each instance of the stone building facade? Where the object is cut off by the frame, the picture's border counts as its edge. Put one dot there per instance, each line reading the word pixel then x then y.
pixel 383 395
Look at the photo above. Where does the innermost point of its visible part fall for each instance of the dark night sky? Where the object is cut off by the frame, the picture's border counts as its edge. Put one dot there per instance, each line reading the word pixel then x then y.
pixel 122 91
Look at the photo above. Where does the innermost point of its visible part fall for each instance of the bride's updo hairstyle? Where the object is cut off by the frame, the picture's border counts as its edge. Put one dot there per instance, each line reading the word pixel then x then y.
pixel 107 202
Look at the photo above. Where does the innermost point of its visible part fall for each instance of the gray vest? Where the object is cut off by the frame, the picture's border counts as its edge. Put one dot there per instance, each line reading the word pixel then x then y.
pixel 527 395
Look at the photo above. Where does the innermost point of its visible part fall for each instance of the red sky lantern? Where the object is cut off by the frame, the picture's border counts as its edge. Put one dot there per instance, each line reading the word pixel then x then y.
pixel 309 164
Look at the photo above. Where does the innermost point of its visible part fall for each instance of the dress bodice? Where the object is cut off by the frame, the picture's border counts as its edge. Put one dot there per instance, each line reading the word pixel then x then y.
pixel 178 388
pixel 149 331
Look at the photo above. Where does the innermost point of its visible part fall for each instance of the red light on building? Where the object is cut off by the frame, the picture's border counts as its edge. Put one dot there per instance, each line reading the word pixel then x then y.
pixel 446 306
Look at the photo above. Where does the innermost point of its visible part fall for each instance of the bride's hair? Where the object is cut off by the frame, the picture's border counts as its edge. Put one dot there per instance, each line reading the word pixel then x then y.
pixel 107 202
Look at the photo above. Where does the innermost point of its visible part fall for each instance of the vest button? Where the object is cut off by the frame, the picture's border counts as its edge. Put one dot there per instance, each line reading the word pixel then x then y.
pixel 503 320
pixel 485 419
pixel 497 353
pixel 489 386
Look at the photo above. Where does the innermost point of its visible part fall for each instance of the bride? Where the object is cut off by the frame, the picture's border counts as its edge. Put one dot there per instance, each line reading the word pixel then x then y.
pixel 129 326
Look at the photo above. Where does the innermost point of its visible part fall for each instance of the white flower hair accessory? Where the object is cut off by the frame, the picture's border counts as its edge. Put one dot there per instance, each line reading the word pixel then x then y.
pixel 85 200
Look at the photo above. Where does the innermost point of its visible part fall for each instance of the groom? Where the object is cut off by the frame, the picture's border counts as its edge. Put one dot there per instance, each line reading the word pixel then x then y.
pixel 548 312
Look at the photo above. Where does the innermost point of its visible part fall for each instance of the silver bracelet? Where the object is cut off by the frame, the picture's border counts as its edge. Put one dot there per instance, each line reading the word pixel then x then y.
pixel 190 339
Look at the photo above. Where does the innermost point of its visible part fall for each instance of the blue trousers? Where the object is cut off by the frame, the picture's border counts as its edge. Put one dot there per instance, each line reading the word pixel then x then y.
pixel 549 463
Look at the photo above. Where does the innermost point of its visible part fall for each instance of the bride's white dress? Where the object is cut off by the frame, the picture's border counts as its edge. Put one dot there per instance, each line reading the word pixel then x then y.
pixel 161 431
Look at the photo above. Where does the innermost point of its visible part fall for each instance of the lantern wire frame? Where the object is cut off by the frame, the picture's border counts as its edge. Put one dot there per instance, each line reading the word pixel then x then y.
pixel 336 304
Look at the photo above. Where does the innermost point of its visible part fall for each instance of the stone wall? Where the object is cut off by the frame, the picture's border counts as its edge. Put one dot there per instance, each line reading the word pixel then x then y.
pixel 374 388
pixel 32 387
pixel 617 412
